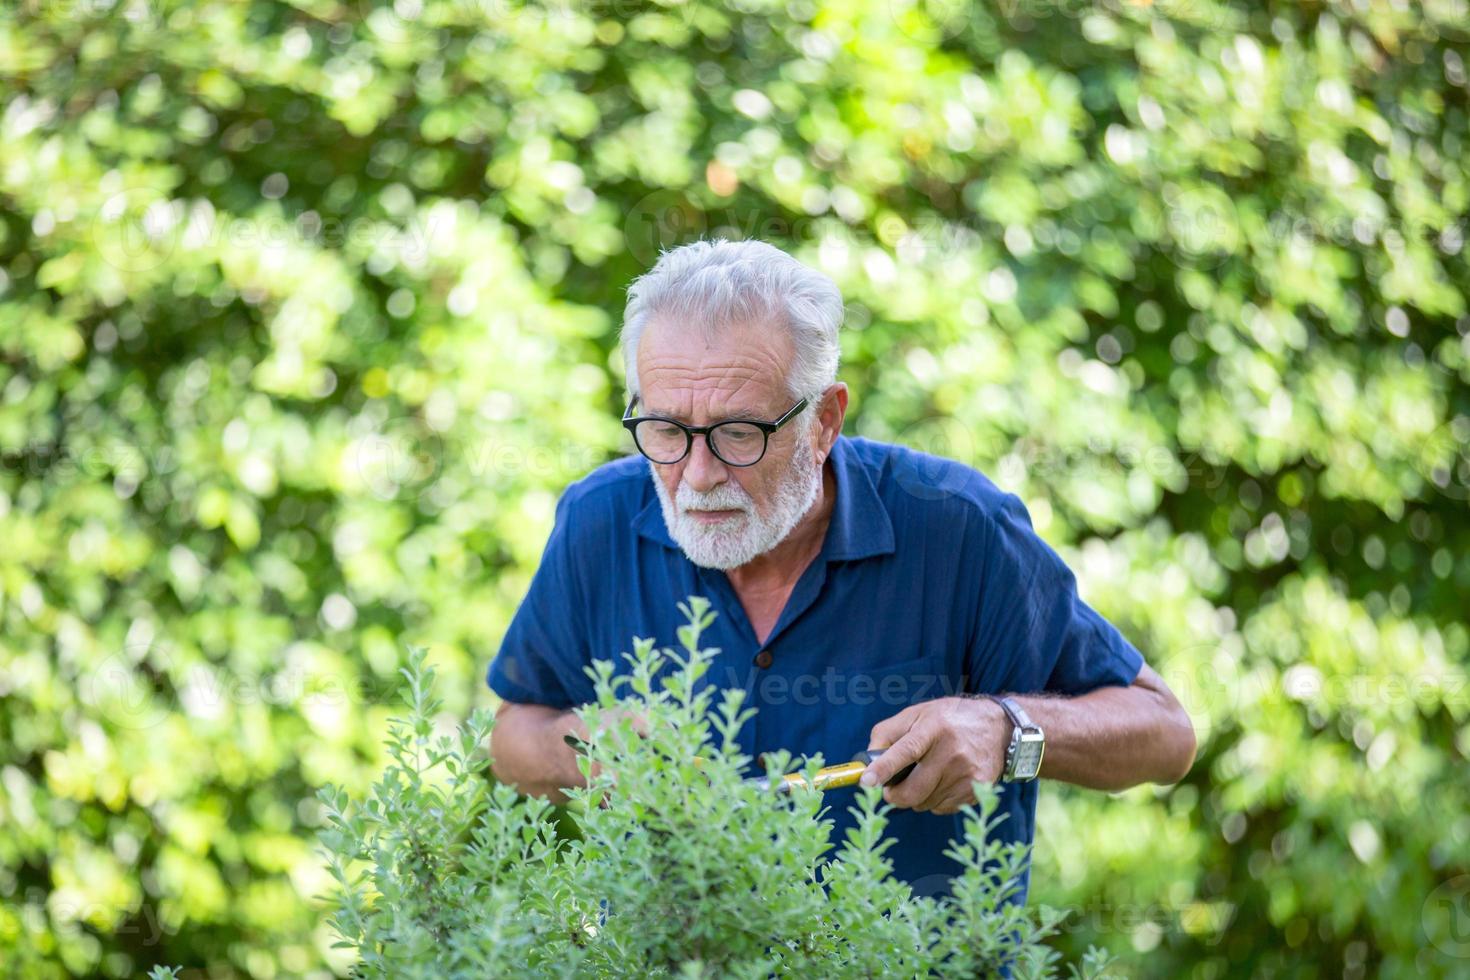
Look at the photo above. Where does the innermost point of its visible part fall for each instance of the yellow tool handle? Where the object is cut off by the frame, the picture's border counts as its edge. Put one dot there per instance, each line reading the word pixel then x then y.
pixel 828 777
pixel 834 777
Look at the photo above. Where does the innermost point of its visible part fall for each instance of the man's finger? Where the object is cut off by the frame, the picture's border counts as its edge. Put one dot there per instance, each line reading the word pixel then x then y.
pixel 960 797
pixel 940 795
pixel 896 757
pixel 949 805
pixel 891 729
pixel 609 725
pixel 921 786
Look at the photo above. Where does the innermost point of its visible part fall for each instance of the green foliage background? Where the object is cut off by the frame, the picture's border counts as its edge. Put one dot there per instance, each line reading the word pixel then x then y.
pixel 307 314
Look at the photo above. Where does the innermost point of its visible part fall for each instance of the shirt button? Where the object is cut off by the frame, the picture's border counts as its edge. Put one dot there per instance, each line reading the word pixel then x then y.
pixel 764 659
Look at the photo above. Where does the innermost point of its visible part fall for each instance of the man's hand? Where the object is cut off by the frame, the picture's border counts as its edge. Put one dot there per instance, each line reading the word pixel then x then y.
pixel 610 722
pixel 1110 739
pixel 954 741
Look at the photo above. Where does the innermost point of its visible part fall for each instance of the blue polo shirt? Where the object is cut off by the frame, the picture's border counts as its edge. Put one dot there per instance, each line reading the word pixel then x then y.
pixel 930 582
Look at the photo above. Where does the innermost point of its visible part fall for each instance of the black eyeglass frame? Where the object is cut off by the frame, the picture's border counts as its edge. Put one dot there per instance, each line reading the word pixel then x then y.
pixel 768 429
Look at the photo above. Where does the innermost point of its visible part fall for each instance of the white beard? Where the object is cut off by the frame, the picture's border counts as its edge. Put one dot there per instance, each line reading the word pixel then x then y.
pixel 739 539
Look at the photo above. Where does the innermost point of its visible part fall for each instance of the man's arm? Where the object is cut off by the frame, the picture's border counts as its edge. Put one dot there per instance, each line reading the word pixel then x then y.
pixel 528 751
pixel 1114 737
pixel 1110 738
pixel 528 747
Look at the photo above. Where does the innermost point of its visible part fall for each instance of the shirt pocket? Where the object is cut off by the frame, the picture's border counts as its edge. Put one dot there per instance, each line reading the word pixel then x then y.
pixel 863 695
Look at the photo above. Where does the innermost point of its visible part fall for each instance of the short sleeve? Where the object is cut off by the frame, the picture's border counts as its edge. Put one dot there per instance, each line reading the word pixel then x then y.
pixel 1032 621
pixel 544 652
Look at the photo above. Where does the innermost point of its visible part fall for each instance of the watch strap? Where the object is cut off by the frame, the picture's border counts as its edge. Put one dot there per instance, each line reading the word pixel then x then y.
pixel 1013 710
pixel 1021 722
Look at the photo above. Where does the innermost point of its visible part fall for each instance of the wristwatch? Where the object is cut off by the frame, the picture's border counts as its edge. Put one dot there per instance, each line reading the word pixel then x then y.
pixel 1023 755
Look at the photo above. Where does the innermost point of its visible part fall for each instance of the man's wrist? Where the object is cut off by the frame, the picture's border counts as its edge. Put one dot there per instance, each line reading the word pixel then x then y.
pixel 987 704
pixel 1025 741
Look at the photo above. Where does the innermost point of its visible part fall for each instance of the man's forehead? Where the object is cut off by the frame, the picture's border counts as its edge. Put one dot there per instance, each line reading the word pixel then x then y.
pixel 757 342
pixel 736 374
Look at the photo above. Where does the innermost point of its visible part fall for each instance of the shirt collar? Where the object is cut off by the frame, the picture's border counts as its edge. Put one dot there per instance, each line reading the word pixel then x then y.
pixel 860 526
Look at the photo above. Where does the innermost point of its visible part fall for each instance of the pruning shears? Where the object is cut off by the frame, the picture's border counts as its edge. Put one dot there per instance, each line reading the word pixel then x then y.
pixel 828 777
pixel 833 777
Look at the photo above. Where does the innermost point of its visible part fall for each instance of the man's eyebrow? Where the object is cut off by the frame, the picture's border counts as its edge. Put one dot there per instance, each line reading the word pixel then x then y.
pixel 736 416
pixel 743 416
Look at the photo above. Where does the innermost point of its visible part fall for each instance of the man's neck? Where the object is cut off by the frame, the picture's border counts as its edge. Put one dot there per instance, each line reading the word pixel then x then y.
pixel 783 564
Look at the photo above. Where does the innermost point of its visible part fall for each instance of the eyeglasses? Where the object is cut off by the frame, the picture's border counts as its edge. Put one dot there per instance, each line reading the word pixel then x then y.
pixel 735 442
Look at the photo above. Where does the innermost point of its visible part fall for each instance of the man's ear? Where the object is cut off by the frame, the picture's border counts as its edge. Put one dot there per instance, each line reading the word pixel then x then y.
pixel 830 416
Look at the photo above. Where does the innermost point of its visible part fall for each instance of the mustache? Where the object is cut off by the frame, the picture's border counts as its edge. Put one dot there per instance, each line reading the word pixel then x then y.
pixel 722 498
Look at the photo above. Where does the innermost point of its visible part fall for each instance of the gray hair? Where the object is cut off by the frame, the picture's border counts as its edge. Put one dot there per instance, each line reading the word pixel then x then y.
pixel 712 285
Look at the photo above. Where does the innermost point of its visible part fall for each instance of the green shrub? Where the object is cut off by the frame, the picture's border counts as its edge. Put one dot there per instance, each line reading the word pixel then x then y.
pixel 681 866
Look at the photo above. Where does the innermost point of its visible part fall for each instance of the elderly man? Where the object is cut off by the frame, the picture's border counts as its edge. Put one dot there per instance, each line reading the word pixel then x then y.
pixel 868 595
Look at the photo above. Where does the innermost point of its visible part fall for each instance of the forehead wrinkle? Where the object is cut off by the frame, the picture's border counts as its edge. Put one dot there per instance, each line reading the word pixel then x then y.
pixel 680 400
pixel 717 374
pixel 659 344
pixel 750 362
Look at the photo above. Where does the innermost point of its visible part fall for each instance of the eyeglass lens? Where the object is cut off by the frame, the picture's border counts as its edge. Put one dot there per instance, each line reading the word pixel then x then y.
pixel 739 443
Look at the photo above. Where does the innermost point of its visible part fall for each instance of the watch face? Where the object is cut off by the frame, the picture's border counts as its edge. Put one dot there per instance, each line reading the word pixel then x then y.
pixel 1028 758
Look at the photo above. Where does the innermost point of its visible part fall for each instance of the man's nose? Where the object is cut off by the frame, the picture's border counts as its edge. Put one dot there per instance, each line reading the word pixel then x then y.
pixel 703 470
